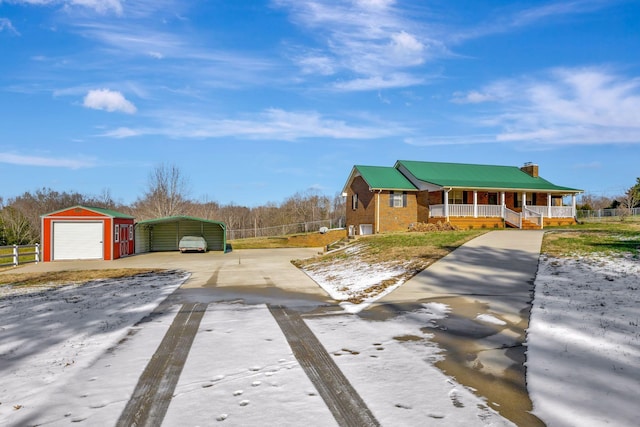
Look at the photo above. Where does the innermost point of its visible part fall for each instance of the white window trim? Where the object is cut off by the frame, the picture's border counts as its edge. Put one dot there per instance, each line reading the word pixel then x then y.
pixel 398 199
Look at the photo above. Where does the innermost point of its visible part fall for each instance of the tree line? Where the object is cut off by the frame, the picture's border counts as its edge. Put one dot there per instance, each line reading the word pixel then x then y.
pixel 165 195
pixel 628 200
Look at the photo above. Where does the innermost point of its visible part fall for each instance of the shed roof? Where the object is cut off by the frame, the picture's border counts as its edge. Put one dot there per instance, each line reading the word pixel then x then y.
pixel 107 212
pixel 178 218
pixel 463 175
pixel 384 178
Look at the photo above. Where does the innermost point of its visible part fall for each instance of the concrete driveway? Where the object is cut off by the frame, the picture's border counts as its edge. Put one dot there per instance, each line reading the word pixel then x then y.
pixel 254 268
pixel 492 275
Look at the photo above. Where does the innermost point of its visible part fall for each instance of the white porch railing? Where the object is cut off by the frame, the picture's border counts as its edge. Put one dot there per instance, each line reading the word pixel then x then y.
pixel 436 211
pixel 554 212
pixel 490 211
pixel 461 210
pixel 535 217
pixel 513 217
pixel 495 211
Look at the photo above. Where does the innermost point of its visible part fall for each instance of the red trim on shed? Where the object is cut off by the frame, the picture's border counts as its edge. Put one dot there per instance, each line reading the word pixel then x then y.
pixel 111 221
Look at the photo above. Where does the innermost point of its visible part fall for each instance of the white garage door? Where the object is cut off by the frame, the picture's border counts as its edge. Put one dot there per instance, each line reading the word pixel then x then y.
pixel 77 240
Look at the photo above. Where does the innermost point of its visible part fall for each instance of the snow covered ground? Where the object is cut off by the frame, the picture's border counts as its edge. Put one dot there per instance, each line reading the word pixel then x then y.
pixel 583 353
pixel 360 283
pixel 58 364
pixel 50 335
pixel 71 355
pixel 583 340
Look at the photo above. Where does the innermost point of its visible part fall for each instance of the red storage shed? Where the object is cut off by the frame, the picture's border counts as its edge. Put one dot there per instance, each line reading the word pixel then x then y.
pixel 84 232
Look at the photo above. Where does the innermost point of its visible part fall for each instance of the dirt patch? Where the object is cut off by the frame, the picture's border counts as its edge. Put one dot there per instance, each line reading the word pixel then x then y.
pixel 69 276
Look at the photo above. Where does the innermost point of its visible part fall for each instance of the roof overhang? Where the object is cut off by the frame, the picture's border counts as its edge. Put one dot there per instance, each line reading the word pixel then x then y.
pixel 170 219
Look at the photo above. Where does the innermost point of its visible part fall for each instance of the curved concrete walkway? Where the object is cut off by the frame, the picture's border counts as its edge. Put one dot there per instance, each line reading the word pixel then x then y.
pixel 488 286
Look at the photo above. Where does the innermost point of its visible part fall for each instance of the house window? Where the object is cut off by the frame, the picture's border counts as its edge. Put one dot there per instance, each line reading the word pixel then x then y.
pixel 493 198
pixel 354 202
pixel 517 200
pixel 117 233
pixel 130 232
pixel 397 199
pixel 456 197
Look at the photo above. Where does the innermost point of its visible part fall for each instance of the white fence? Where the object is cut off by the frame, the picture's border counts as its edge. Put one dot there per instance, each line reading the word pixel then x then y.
pixel 19 254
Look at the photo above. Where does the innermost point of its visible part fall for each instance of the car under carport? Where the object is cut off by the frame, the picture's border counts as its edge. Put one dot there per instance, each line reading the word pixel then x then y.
pixel 164 234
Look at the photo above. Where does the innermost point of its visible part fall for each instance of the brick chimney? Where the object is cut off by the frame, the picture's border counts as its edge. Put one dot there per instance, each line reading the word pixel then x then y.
pixel 531 169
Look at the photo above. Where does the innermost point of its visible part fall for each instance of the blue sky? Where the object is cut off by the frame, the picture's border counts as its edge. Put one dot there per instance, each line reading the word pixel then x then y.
pixel 257 100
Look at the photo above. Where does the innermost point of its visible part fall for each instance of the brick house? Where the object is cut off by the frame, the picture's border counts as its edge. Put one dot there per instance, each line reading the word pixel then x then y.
pixel 383 199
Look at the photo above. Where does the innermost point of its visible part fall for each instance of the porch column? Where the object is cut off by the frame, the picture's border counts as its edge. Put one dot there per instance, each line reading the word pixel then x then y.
pixel 573 205
pixel 446 204
pixel 524 200
pixel 475 203
pixel 502 202
pixel 548 205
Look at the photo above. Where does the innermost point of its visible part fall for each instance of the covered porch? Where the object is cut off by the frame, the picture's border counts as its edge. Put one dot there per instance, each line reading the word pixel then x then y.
pixel 514 209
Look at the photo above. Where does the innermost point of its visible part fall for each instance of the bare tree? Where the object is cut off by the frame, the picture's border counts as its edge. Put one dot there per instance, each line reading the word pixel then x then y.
pixel 20 217
pixel 630 200
pixel 16 229
pixel 591 202
pixel 166 195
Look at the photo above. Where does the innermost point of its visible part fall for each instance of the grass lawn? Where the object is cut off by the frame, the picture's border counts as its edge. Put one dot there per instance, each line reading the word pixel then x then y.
pixel 415 249
pixel 15 278
pixel 610 238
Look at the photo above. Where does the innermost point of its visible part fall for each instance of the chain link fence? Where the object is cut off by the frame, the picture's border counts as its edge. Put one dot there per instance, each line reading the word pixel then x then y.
pixel 282 230
pixel 607 213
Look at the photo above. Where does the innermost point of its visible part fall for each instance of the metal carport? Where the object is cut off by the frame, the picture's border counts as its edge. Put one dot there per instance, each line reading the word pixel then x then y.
pixel 163 234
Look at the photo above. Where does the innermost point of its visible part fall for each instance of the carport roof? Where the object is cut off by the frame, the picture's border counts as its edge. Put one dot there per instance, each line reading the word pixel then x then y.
pixel 178 218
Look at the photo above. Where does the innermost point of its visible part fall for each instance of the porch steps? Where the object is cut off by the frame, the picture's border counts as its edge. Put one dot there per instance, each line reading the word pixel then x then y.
pixel 526 225
pixel 338 245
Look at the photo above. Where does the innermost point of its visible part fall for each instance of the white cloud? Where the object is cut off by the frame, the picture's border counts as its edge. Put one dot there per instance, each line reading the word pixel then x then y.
pixel 100 6
pixel 313 64
pixel 406 49
pixel 510 21
pixel 270 124
pixel 565 106
pixel 105 99
pixel 6 25
pixel 376 4
pixel 379 82
pixel 18 159
pixel 373 39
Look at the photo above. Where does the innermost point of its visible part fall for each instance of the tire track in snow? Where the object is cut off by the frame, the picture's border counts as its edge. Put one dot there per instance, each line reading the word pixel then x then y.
pixel 343 400
pixel 152 395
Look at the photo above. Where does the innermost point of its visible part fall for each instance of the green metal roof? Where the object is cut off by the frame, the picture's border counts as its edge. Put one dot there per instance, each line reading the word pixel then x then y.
pixel 460 175
pixel 109 212
pixel 385 178
pixel 178 218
